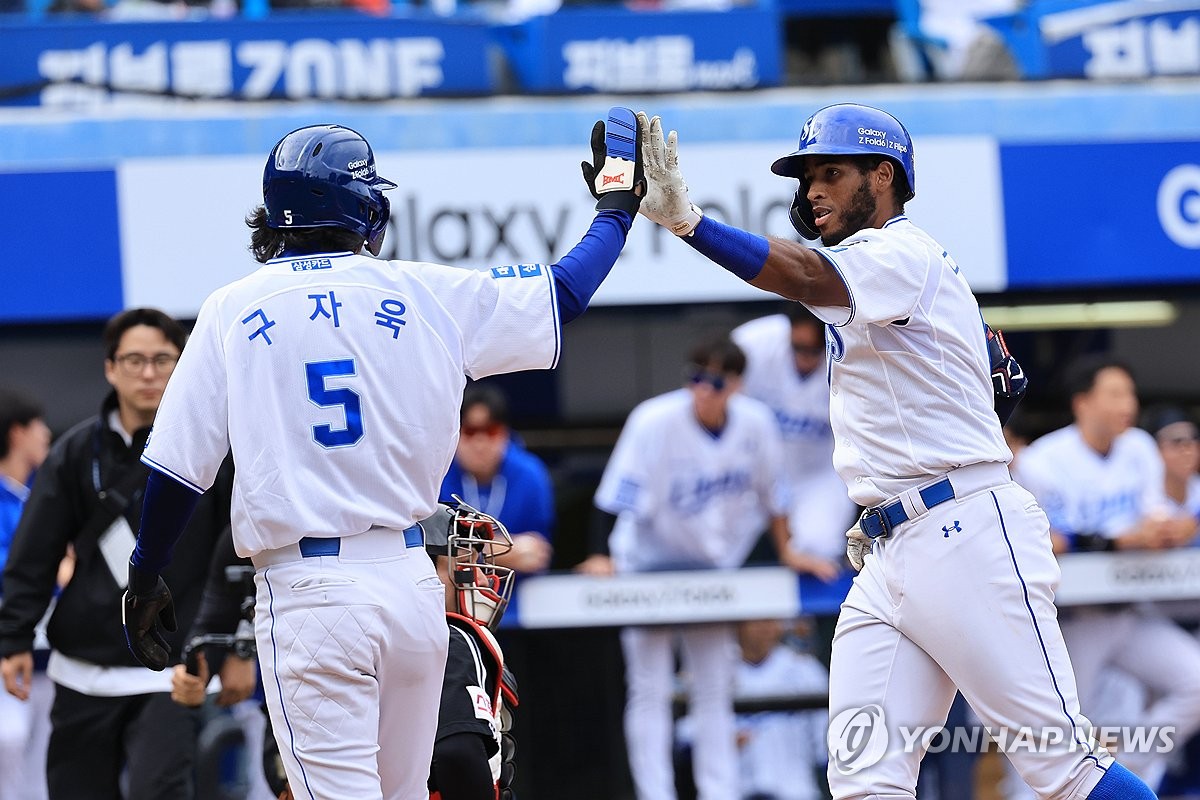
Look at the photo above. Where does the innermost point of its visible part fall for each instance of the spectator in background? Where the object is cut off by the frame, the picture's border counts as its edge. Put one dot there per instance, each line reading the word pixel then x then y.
pixel 1179 444
pixel 785 369
pixel 782 755
pixel 494 473
pixel 952 41
pixel 109 713
pixel 690 484
pixel 1100 481
pixel 24 727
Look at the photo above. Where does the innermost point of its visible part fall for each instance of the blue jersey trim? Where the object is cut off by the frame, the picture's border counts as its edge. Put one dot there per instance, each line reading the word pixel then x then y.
pixel 279 684
pixel 175 476
pixel 554 312
pixel 281 259
pixel 1038 631
pixel 899 218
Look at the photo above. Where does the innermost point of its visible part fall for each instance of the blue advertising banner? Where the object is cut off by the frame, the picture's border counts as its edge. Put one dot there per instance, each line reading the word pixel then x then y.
pixel 1096 215
pixel 63 231
pixel 1104 40
pixel 298 58
pixel 615 50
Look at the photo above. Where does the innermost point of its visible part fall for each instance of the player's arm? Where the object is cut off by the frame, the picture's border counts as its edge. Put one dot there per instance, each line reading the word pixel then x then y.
pixel 47 524
pixel 614 177
pixel 787 268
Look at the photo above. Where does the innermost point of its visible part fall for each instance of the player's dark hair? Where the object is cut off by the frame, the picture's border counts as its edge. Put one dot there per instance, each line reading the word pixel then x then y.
pixel 491 398
pixel 151 317
pixel 719 352
pixel 866 163
pixel 16 408
pixel 1079 377
pixel 798 314
pixel 267 243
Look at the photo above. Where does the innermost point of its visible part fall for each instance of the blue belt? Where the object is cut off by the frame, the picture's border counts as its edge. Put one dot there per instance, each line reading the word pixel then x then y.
pixel 311 547
pixel 880 520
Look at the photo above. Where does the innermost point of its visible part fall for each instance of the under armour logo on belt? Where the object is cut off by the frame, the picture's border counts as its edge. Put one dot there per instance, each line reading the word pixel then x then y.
pixel 949 529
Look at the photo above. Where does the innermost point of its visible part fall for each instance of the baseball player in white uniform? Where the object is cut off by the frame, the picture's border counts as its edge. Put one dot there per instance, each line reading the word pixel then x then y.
pixel 1101 482
pixel 336 379
pixel 786 369
pixel 691 482
pixel 958 587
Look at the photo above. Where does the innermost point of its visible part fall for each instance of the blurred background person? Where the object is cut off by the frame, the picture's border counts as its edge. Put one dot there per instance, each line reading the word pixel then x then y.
pixel 785 369
pixel 493 472
pixel 109 714
pixel 24 726
pixel 1101 482
pixel 691 483
pixel 1178 439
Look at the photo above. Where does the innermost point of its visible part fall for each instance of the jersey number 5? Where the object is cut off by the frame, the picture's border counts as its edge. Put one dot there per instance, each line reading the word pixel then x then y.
pixel 348 399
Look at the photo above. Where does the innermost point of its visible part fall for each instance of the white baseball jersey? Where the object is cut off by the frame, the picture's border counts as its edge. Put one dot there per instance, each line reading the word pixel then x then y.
pixel 820 509
pixel 800 403
pixel 1191 503
pixel 1084 492
pixel 336 379
pixel 910 380
pixel 684 497
pixel 782 747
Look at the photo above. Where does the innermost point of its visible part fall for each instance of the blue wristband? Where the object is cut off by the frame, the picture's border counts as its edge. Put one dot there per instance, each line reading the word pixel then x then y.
pixel 742 253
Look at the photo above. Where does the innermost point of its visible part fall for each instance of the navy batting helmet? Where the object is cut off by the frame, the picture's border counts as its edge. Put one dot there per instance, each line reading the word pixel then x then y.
pixel 846 129
pixel 324 175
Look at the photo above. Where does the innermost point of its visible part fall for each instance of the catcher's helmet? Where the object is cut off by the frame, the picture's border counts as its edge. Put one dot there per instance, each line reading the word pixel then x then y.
pixel 482 587
pixel 324 175
pixel 846 129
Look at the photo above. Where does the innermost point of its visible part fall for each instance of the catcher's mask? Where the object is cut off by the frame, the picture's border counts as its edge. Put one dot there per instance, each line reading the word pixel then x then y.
pixel 482 587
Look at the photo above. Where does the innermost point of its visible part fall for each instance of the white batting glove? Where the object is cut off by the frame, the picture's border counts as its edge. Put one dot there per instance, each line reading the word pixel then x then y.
pixel 666 201
pixel 858 544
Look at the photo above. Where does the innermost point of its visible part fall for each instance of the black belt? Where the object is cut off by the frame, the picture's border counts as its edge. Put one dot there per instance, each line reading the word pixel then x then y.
pixel 878 521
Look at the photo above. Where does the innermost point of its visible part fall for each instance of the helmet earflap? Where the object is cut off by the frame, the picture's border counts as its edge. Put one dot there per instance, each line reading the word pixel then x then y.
pixel 801 214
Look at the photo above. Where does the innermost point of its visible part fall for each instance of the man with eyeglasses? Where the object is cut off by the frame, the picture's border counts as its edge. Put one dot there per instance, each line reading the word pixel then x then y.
pixel 692 482
pixel 786 369
pixel 108 711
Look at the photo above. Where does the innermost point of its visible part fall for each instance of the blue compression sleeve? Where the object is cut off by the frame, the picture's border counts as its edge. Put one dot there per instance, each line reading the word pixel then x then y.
pixel 742 253
pixel 165 512
pixel 578 274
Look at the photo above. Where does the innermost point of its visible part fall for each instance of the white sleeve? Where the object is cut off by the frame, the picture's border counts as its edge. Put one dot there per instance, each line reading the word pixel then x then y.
pixel 883 277
pixel 508 317
pixel 626 483
pixel 1154 497
pixel 190 437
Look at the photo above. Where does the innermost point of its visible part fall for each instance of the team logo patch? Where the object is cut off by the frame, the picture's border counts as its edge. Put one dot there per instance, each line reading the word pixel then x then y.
pixel 530 270
pixel 503 272
pixel 481 703
pixel 307 264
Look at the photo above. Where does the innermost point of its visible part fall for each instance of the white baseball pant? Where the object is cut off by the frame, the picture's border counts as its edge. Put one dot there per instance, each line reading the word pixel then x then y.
pixel 710 655
pixel 352 649
pixel 961 595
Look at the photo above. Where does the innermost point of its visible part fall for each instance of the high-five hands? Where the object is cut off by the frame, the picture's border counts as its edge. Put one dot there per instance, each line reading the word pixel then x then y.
pixel 666 201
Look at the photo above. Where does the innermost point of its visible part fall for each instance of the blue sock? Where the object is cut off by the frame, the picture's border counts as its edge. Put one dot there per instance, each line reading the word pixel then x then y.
pixel 1121 784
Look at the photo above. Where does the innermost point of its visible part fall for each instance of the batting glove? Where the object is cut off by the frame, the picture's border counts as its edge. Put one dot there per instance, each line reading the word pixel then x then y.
pixel 666 201
pixel 858 544
pixel 147 604
pixel 615 176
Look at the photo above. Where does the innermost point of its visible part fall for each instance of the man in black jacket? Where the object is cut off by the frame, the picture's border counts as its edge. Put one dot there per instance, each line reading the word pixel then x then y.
pixel 108 712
